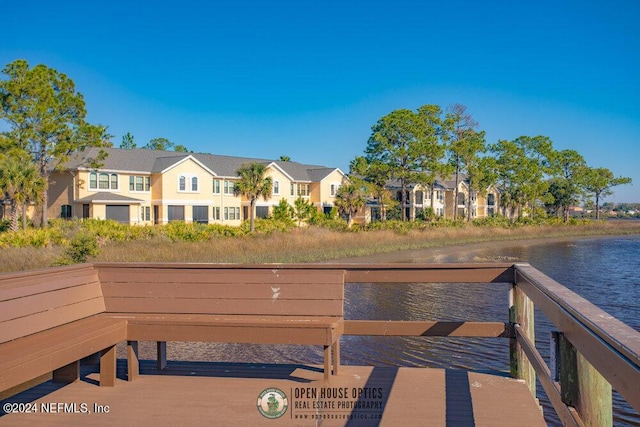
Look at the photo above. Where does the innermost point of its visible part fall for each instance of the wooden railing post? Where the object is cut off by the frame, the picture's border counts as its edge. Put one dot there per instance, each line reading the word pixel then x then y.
pixel 521 311
pixel 582 386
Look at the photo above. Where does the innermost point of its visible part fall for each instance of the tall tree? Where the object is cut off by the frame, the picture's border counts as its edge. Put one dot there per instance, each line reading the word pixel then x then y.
pixel 522 166
pixel 127 142
pixel 21 182
pixel 253 184
pixel 599 183
pixel 433 165
pixel 285 158
pixel 374 177
pixel 459 126
pixel 398 148
pixel 349 200
pixel 468 153
pixel 46 119
pixel 568 168
pixel 160 144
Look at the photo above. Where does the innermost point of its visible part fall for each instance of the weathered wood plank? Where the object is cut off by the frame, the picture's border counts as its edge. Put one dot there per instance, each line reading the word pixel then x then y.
pixel 267 334
pixel 225 306
pixel 40 344
pixel 76 349
pixel 55 299
pixel 583 388
pixel 159 289
pixel 38 322
pixel 229 320
pixel 425 328
pixel 568 416
pixel 56 277
pixel 619 363
pixel 218 275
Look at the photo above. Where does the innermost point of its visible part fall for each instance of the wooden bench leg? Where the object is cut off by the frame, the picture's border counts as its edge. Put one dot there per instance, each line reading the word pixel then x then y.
pixel 336 357
pixel 162 354
pixel 108 367
pixel 68 373
pixel 327 361
pixel 133 362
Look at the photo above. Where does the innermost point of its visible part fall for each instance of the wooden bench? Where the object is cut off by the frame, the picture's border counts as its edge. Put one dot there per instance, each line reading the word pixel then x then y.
pixel 205 303
pixel 49 320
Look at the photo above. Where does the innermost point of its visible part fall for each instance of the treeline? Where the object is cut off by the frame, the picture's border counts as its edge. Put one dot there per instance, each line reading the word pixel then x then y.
pixel 45 121
pixel 533 179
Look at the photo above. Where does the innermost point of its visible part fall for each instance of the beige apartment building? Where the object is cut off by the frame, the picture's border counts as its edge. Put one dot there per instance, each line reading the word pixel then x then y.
pixel 143 187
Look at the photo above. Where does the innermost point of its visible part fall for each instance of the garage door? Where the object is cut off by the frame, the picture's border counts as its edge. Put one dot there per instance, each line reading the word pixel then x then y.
pixel 201 214
pixel 118 213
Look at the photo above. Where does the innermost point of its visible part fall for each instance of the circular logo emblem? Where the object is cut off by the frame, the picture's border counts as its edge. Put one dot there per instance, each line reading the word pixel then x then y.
pixel 272 403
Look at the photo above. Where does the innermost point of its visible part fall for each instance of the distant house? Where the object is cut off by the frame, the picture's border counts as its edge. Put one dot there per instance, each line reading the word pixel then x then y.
pixel 142 186
pixel 441 197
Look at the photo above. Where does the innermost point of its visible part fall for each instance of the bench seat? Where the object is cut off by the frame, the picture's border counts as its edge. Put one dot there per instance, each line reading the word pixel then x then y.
pixel 60 349
pixel 49 320
pixel 208 303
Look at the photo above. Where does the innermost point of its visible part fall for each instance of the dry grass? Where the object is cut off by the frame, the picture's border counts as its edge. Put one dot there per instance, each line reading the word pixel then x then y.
pixel 306 245
pixel 319 244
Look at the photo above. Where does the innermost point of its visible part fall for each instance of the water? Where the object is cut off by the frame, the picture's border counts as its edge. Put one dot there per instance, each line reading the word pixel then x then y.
pixel 605 271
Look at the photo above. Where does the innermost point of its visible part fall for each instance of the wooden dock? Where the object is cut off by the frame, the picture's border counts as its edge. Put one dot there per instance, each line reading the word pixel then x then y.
pixel 52 319
pixel 208 393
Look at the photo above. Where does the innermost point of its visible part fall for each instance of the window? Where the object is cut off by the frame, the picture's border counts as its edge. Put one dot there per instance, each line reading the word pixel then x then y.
pixel 65 211
pixel 276 187
pixel 333 190
pixel 145 213
pixel 216 187
pixel 440 196
pixel 228 187
pixel 139 183
pixel 232 213
pixel 188 183
pixel 103 181
pixel 293 186
pixel 303 189
pixel 217 213
pixel 419 197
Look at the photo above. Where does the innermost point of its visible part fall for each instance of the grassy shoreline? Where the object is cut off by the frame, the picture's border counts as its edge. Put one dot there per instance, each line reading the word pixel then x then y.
pixel 310 245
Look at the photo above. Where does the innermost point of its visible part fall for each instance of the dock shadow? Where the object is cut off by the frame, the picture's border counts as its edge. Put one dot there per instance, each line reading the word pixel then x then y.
pixel 459 406
pixel 230 370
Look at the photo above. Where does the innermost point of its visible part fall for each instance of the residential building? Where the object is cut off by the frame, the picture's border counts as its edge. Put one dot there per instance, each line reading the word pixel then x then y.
pixel 420 197
pixel 141 186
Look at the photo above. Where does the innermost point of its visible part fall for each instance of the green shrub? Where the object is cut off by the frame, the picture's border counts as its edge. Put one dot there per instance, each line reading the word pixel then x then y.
pixel 82 246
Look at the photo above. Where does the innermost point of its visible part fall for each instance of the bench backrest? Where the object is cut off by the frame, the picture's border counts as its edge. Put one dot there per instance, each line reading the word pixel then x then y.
pixel 222 291
pixel 38 300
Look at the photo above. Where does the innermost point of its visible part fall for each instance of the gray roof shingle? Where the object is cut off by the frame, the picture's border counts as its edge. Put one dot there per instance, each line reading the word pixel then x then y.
pixel 155 161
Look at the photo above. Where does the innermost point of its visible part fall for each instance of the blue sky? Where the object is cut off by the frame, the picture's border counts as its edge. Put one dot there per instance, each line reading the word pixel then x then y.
pixel 308 79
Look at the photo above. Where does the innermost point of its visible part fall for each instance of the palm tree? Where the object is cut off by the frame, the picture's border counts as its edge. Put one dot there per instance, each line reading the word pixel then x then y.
pixel 349 200
pixel 253 184
pixel 20 182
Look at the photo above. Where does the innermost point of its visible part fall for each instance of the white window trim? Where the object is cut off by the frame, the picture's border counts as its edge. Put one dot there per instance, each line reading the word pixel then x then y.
pixel 187 181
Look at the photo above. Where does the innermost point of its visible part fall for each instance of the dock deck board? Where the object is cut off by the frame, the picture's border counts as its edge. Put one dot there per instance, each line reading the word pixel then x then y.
pixel 208 393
